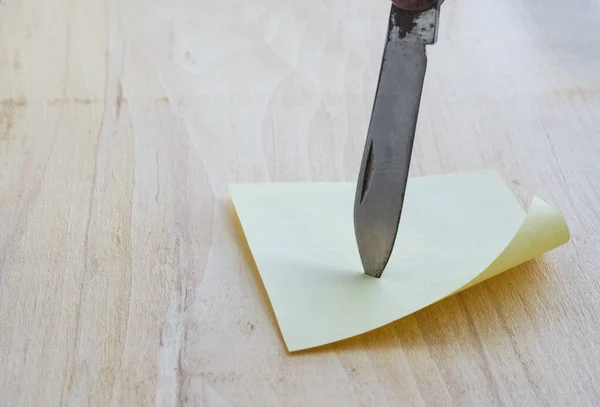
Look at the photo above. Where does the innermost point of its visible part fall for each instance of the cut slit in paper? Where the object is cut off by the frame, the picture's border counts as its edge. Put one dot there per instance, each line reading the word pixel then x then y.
pixel 456 230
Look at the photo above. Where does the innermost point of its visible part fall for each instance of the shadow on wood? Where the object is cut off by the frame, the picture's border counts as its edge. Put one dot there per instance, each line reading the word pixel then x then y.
pixel 475 312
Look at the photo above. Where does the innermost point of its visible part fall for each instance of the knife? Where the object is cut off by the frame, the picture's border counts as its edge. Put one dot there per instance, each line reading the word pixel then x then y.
pixel 381 184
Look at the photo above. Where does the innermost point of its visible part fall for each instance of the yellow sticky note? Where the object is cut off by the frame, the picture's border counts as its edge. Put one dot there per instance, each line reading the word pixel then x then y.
pixel 456 230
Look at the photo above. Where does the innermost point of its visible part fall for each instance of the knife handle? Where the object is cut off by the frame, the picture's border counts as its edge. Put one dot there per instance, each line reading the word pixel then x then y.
pixel 415 5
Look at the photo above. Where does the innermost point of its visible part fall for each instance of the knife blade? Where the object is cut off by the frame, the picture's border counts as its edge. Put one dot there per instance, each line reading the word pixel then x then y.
pixel 385 164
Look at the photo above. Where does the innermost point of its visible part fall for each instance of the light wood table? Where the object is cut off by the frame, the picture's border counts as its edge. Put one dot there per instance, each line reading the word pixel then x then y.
pixel 125 278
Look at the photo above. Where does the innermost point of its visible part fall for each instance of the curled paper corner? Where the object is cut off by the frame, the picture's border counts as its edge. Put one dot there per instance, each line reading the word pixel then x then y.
pixel 457 230
pixel 543 230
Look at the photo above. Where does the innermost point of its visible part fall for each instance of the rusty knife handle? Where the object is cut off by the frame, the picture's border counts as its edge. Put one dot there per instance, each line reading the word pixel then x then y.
pixel 415 5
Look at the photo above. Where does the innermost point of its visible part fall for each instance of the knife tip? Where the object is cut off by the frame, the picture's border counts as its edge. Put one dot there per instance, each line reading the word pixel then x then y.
pixel 374 254
pixel 373 267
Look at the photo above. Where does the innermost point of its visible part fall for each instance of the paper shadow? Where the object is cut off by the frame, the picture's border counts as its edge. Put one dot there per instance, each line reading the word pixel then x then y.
pixel 477 311
pixel 470 316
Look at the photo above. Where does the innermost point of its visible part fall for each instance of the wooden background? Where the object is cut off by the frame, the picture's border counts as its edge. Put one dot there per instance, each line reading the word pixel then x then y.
pixel 124 275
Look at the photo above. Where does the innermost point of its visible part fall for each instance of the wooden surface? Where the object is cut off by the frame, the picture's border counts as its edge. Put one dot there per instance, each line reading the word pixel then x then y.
pixel 124 275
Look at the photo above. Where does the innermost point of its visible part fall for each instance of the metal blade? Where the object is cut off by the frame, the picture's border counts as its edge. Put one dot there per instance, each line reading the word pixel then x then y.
pixel 386 159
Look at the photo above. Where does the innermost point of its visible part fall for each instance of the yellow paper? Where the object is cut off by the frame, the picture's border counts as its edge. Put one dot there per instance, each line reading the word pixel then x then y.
pixel 456 230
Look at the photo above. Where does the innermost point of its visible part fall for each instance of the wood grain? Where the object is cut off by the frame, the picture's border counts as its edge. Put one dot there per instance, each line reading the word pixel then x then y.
pixel 124 275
